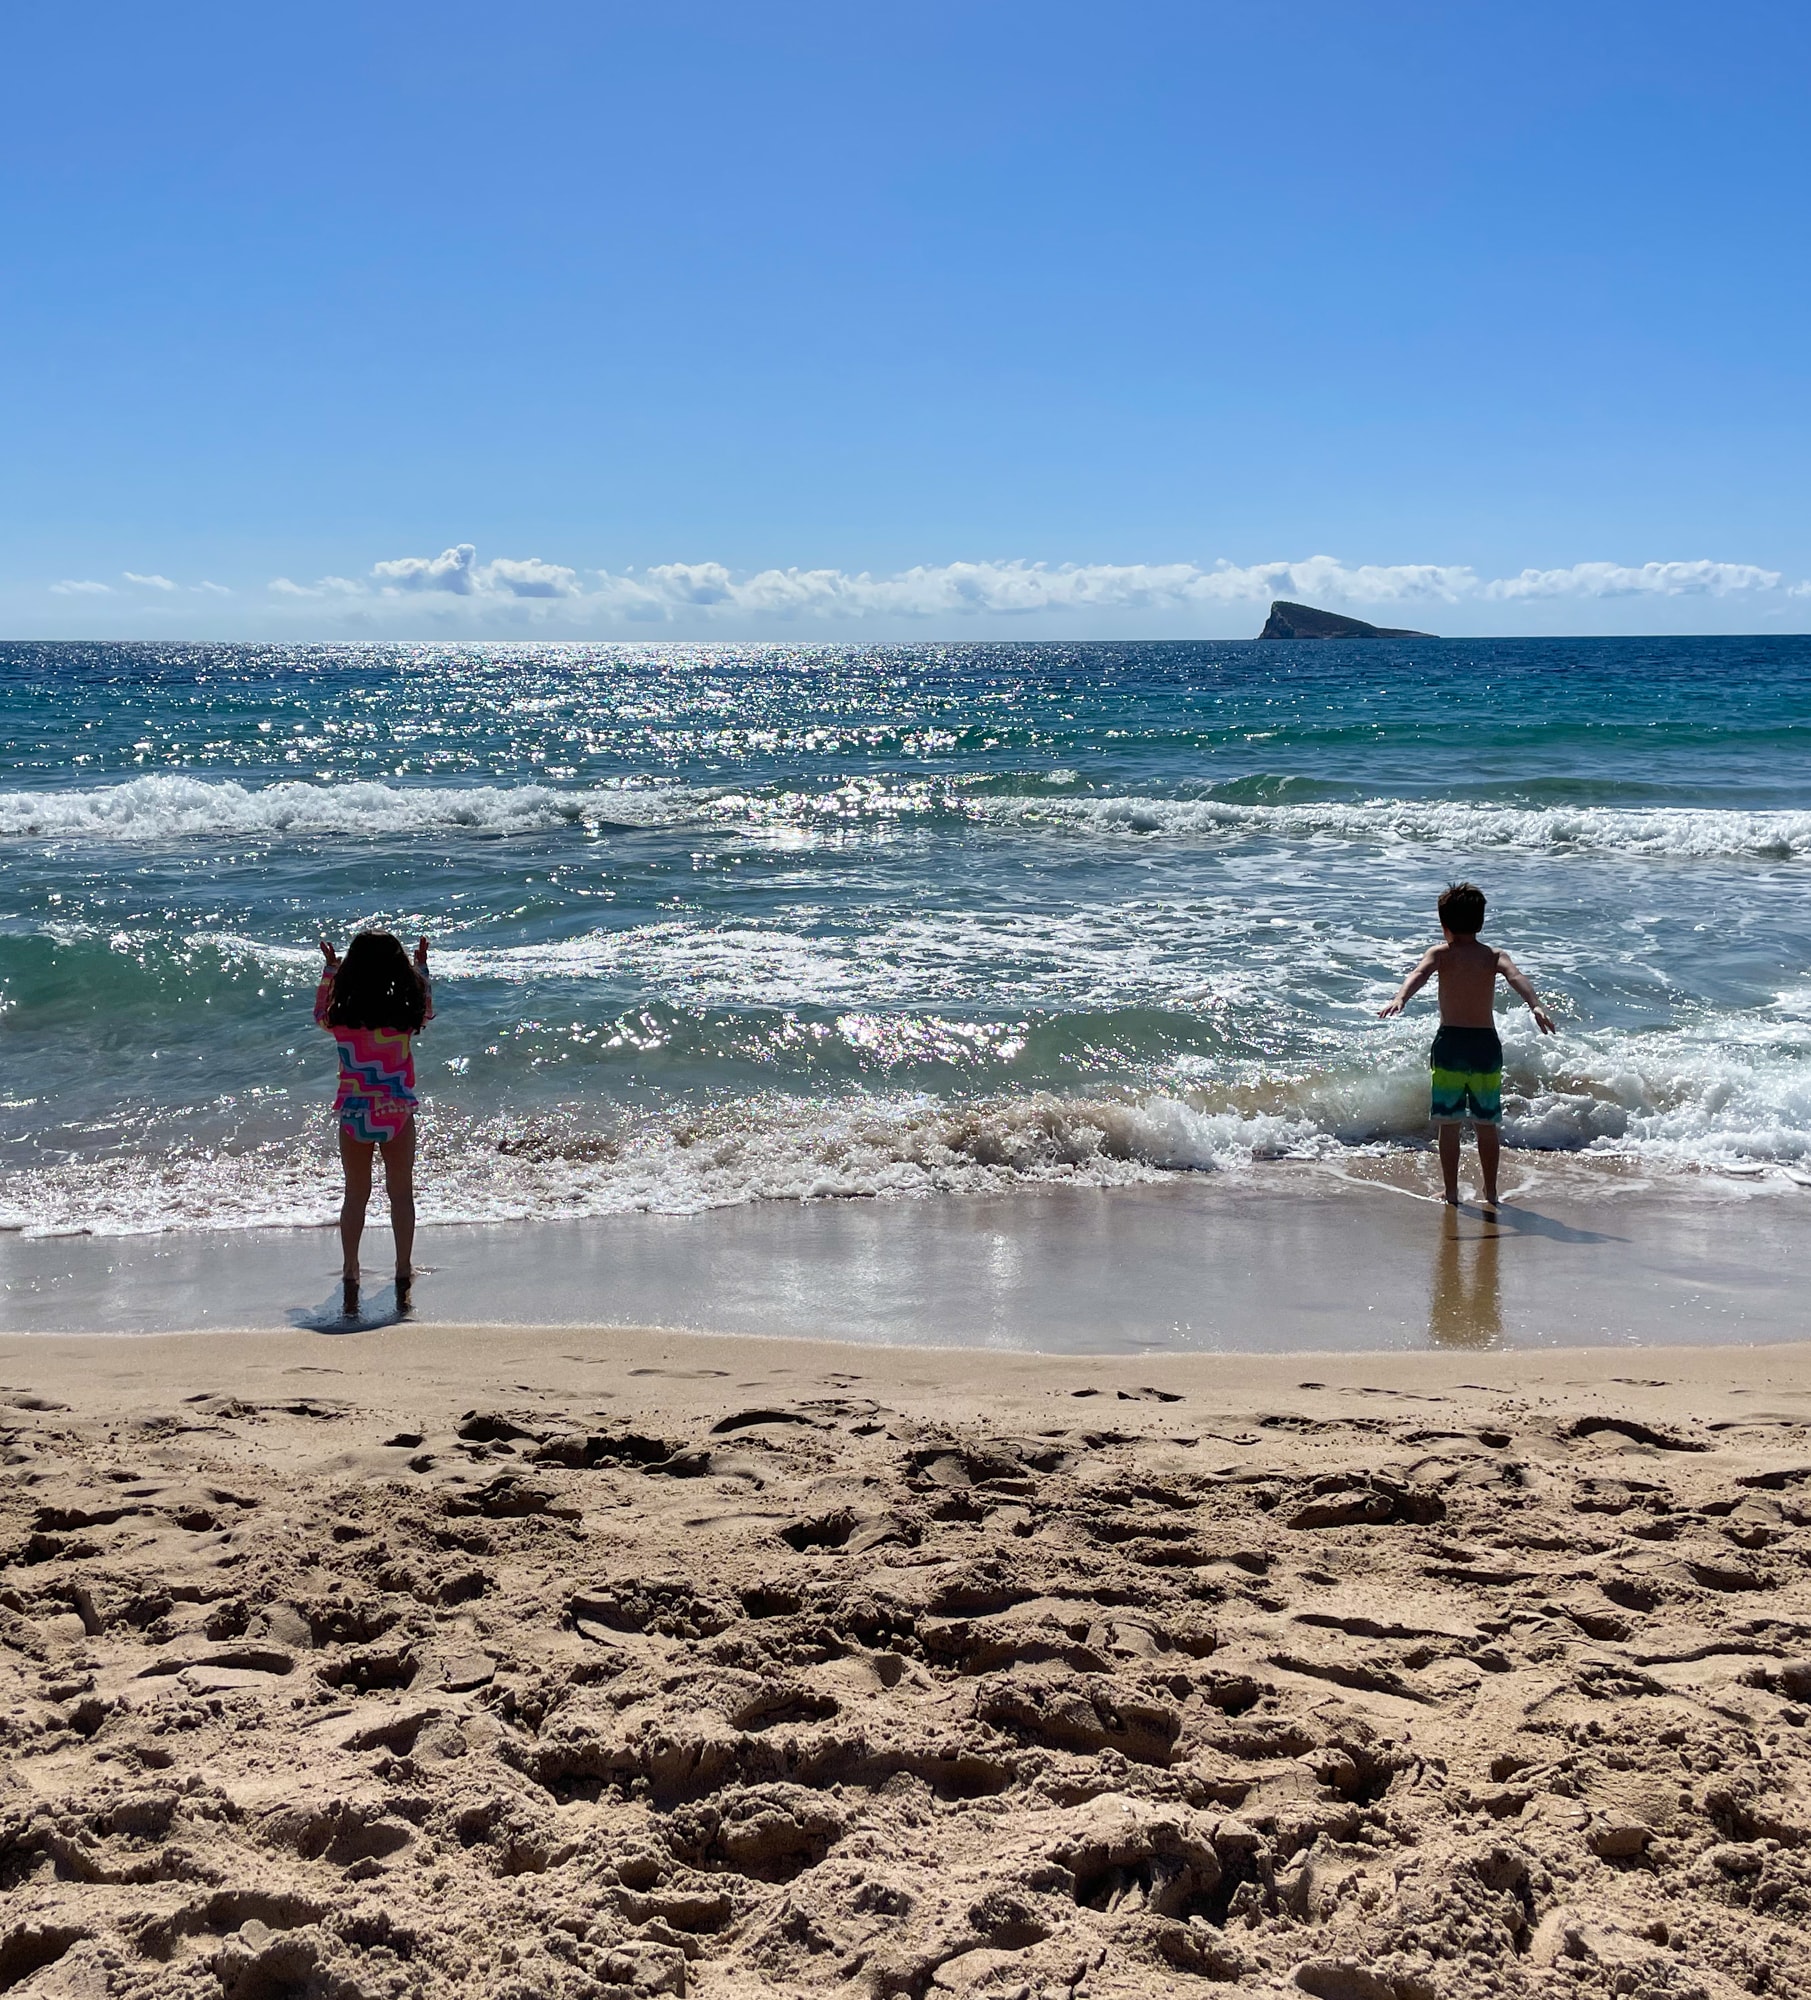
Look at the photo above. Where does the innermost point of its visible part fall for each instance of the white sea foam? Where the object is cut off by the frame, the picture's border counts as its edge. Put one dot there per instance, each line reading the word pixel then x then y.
pixel 171 808
pixel 1686 1101
pixel 167 807
pixel 1677 833
pixel 771 1150
pixel 1721 1094
pixel 1146 952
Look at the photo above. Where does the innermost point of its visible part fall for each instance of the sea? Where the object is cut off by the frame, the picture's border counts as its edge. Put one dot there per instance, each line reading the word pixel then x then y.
pixel 724 924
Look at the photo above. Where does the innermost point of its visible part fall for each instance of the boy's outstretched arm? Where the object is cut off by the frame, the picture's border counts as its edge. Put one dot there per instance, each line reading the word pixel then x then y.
pixel 1519 983
pixel 1409 987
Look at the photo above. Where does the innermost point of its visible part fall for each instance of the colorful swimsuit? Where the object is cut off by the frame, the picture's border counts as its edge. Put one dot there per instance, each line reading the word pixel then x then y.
pixel 1467 1066
pixel 377 1072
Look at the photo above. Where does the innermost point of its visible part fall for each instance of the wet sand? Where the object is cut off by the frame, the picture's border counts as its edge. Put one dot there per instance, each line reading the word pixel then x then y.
pixel 596 1663
pixel 1291 1257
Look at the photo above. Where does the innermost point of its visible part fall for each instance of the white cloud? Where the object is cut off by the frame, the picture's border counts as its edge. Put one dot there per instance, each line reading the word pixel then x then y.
pixel 459 572
pixel 529 590
pixel 81 587
pixel 530 578
pixel 1008 589
pixel 327 586
pixel 147 582
pixel 213 589
pixel 998 589
pixel 1660 579
pixel 453 571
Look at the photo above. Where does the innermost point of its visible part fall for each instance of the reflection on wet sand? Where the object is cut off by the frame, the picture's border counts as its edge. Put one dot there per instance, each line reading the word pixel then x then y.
pixel 1288 1260
pixel 1466 1305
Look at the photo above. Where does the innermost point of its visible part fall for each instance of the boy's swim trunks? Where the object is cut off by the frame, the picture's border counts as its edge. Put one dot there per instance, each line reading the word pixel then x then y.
pixel 1467 1066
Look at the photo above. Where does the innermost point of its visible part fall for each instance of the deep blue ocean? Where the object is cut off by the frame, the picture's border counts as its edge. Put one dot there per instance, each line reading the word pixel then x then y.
pixel 714 924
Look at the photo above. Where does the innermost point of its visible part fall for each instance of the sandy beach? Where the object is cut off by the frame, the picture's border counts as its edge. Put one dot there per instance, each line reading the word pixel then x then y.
pixel 580 1662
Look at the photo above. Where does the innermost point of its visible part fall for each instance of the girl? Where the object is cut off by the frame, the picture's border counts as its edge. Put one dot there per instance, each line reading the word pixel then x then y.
pixel 372 1002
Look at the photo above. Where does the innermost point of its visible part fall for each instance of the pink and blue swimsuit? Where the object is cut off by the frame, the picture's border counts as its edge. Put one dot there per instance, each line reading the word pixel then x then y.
pixel 377 1072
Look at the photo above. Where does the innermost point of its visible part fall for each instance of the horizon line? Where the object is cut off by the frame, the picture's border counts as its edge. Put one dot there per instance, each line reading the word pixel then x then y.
pixel 723 639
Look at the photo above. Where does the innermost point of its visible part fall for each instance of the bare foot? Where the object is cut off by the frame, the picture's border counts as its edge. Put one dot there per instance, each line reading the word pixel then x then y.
pixel 349 1295
pixel 405 1284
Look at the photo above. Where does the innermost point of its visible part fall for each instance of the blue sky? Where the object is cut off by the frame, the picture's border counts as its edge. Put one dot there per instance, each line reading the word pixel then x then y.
pixel 949 320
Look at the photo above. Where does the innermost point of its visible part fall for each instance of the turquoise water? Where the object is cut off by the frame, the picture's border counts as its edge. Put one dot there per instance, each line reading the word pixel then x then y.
pixel 716 924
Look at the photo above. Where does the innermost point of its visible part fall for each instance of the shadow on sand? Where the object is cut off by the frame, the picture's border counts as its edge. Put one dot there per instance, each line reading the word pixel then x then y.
pixel 1518 1221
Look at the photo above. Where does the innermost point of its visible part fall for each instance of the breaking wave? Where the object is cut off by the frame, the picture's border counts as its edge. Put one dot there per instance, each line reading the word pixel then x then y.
pixel 176 808
pixel 1675 833
pixel 161 807
pixel 1673 1102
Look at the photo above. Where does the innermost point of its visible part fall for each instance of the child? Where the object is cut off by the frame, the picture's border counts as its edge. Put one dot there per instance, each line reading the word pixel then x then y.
pixel 372 1002
pixel 1467 1058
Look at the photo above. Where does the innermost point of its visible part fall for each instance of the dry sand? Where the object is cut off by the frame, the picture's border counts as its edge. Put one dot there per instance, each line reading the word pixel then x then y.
pixel 555 1663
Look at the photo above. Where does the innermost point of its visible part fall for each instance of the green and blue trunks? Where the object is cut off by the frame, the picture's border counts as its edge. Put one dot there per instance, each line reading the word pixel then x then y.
pixel 1467 1066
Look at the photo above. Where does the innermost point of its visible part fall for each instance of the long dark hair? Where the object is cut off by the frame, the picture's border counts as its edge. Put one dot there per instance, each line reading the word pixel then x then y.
pixel 376 986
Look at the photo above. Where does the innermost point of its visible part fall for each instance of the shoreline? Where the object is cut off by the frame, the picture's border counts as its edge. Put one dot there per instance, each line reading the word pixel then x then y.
pixel 569 1661
pixel 1300 1257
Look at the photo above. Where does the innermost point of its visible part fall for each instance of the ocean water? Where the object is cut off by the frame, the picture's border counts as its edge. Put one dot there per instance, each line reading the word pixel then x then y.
pixel 718 924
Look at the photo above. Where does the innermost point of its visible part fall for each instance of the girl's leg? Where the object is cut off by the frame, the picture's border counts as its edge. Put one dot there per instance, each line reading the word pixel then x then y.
pixel 399 1183
pixel 355 1160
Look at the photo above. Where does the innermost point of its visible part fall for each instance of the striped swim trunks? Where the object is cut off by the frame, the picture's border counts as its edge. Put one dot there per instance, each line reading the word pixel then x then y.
pixel 1467 1076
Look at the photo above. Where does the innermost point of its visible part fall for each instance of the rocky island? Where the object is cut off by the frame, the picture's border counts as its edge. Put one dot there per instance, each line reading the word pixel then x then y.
pixel 1302 621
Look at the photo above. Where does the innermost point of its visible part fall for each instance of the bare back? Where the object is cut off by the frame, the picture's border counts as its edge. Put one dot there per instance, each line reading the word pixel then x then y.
pixel 1467 971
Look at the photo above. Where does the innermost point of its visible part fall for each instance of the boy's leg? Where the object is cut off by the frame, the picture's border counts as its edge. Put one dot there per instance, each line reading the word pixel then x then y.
pixel 1490 1143
pixel 355 1161
pixel 1450 1133
pixel 399 1184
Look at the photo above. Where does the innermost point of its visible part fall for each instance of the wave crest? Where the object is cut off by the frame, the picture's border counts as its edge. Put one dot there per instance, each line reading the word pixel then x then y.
pixel 1670 832
pixel 771 1150
pixel 173 807
pixel 1680 1103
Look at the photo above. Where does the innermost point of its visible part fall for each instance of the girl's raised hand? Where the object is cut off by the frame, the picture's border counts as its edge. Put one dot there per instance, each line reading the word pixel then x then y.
pixel 330 955
pixel 421 954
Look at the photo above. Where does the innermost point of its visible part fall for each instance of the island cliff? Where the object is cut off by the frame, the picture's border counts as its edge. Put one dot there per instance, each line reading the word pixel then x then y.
pixel 1302 621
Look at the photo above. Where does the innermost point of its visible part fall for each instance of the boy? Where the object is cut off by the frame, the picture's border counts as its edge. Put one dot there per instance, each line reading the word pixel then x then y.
pixel 1467 1058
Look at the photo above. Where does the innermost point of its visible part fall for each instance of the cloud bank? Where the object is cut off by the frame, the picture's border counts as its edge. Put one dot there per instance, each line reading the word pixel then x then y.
pixel 710 591
pixel 456 592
